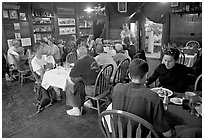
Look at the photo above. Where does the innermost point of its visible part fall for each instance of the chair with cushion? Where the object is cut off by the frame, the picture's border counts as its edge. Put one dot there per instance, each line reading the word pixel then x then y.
pixel 122 124
pixel 121 72
pixel 102 87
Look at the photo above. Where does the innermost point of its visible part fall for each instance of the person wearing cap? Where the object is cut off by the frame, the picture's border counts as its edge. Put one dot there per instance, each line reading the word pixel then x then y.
pixel 171 74
pixel 120 54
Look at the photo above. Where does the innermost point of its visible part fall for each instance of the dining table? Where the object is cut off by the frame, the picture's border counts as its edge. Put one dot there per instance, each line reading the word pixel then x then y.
pixel 58 77
pixel 176 115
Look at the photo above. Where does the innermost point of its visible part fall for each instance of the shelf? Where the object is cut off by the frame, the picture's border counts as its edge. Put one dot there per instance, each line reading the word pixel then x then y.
pixel 42 17
pixel 85 27
pixel 42 23
pixel 44 32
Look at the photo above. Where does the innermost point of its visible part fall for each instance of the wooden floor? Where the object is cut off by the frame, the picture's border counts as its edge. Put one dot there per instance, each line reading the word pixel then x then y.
pixel 53 122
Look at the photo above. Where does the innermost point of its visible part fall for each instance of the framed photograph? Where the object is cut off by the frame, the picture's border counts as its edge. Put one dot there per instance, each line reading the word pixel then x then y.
pixel 5 14
pixel 174 4
pixel 66 21
pixel 122 7
pixel 13 14
pixel 67 30
pixel 22 16
pixel 17 35
pixel 16 26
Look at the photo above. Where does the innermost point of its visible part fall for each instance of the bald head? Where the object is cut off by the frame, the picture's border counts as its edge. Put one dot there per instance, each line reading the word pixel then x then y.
pixel 81 52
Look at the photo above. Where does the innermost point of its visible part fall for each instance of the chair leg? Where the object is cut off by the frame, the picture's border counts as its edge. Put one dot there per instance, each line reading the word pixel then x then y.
pixel 98 106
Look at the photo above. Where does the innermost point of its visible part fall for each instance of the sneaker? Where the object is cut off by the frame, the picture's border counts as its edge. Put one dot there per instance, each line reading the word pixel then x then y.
pixel 74 112
pixel 88 103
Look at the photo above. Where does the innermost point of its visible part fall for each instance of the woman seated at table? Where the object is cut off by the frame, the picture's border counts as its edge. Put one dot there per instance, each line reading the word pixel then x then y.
pixel 171 74
pixel 82 75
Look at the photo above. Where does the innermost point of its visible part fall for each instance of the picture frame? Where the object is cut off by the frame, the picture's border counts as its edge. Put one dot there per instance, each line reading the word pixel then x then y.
pixel 5 14
pixel 122 7
pixel 67 30
pixel 17 35
pixel 22 16
pixel 174 4
pixel 66 21
pixel 13 14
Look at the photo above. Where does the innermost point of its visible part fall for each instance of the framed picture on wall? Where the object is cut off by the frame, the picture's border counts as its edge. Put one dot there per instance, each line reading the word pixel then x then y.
pixel 122 7
pixel 17 35
pixel 174 4
pixel 67 30
pixel 13 14
pixel 5 14
pixel 66 21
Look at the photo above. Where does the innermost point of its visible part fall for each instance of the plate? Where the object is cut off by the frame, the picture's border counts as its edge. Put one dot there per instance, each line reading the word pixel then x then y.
pixel 177 101
pixel 71 64
pixel 160 91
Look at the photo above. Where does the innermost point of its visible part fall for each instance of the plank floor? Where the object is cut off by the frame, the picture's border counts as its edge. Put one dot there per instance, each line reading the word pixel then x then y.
pixel 53 122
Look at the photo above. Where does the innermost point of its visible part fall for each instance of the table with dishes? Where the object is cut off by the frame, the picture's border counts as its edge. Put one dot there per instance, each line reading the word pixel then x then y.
pixel 183 108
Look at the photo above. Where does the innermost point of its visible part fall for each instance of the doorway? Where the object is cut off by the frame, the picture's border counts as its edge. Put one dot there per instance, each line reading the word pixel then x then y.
pixel 153 37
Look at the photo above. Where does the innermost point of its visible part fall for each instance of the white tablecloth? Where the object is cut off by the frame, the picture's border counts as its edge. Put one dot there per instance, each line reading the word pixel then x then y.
pixel 189 59
pixel 58 77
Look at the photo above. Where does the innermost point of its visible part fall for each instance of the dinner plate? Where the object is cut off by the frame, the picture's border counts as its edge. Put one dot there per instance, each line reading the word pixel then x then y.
pixel 177 101
pixel 160 91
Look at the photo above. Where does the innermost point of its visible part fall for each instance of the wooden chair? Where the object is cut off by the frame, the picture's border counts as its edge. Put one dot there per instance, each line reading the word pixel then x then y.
pixel 121 72
pixel 102 87
pixel 199 78
pixel 71 57
pixel 181 58
pixel 192 44
pixel 122 124
pixel 12 71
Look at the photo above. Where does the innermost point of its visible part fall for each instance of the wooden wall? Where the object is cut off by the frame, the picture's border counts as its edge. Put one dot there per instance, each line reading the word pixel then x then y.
pixel 186 27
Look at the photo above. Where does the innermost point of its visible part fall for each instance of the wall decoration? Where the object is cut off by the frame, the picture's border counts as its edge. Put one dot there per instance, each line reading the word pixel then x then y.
pixel 16 26
pixel 26 41
pixel 67 30
pixel 66 21
pixel 13 14
pixel 17 35
pixel 65 11
pixel 122 7
pixel 22 16
pixel 174 4
pixel 9 41
pixel 5 14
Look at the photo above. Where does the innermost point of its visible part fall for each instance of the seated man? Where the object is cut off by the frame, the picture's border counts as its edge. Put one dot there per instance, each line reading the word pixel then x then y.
pixel 105 58
pixel 81 74
pixel 135 98
pixel 120 54
pixel 12 54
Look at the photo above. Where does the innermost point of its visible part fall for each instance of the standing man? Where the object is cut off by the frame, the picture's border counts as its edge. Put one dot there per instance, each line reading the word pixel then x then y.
pixel 127 33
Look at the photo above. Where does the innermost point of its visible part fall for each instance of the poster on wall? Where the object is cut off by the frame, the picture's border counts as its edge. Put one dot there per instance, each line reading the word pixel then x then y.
pixel 16 26
pixel 13 14
pixel 17 35
pixel 5 14
pixel 26 42
pixel 9 42
pixel 66 21
pixel 122 7
pixel 67 30
pixel 22 16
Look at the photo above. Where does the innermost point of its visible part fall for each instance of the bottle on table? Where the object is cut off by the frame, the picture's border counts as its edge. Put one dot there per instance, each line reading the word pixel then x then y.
pixel 166 100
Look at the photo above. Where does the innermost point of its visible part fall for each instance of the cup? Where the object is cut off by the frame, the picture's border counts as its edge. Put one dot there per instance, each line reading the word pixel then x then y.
pixel 189 95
